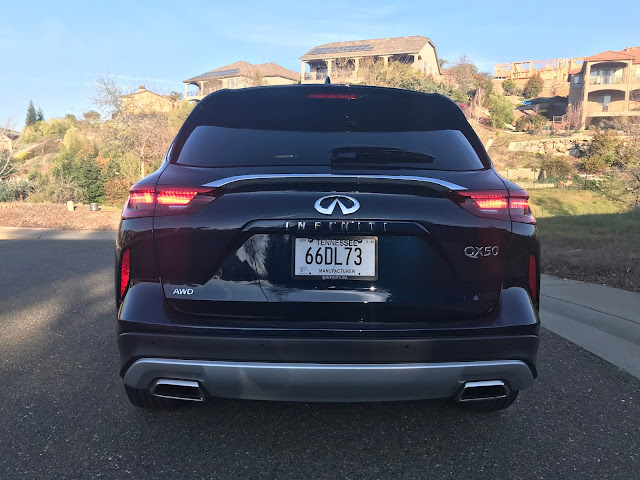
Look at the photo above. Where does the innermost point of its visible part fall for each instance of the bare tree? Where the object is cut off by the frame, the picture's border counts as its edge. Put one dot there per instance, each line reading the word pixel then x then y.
pixel 574 116
pixel 474 112
pixel 107 93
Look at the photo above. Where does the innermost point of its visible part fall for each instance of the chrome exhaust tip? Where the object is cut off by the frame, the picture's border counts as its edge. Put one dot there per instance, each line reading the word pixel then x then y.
pixel 177 390
pixel 484 390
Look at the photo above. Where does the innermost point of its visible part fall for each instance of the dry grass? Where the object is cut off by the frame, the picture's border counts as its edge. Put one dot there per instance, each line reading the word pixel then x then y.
pixel 46 215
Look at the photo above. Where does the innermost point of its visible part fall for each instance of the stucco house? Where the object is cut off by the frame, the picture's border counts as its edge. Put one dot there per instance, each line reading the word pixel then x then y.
pixel 342 60
pixel 607 85
pixel 238 75
pixel 145 101
pixel 7 139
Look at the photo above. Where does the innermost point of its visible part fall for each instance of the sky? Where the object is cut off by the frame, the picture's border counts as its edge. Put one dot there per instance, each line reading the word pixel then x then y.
pixel 50 51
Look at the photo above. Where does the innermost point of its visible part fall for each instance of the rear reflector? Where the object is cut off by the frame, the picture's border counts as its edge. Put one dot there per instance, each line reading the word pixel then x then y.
pixel 533 277
pixel 165 200
pixel 498 205
pixel 124 273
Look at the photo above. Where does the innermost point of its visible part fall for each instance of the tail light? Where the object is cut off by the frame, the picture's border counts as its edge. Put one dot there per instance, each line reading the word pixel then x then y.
pixel 499 205
pixel 164 200
pixel 124 273
pixel 533 277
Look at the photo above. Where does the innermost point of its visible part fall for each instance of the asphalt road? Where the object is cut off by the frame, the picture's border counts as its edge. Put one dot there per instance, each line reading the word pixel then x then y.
pixel 64 414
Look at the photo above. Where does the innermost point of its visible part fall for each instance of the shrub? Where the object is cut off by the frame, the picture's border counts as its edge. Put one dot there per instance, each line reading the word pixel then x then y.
pixel 593 164
pixel 116 191
pixel 509 87
pixel 17 189
pixel 24 156
pixel 555 167
pixel 56 189
pixel 532 123
pixel 500 110
pixel 606 145
pixel 533 87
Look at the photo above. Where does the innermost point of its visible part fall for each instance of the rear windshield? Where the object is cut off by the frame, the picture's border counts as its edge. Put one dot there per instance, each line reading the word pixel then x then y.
pixel 215 146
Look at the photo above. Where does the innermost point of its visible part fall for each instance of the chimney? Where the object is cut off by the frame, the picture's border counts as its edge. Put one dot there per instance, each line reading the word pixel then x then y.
pixel 141 88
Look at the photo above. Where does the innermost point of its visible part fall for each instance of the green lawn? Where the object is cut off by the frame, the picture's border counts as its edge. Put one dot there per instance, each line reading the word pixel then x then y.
pixel 588 237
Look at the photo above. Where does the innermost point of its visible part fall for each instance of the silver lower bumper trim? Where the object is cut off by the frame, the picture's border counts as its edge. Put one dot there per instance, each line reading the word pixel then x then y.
pixel 328 382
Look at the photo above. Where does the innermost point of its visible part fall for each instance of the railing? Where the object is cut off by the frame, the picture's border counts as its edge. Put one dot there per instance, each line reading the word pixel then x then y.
pixel 194 94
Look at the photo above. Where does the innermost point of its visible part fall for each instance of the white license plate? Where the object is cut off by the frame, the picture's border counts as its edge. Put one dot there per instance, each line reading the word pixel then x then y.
pixel 349 258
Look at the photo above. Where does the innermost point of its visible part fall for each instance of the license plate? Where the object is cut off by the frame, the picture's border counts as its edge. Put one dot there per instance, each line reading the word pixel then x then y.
pixel 346 258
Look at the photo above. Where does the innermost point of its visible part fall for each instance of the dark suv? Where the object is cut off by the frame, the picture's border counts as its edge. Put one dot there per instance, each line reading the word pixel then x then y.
pixel 327 243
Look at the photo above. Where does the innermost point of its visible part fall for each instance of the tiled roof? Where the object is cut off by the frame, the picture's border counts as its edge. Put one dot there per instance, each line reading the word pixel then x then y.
pixel 380 46
pixel 244 69
pixel 610 55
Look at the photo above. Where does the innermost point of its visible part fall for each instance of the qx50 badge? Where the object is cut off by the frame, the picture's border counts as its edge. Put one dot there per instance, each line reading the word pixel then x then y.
pixel 326 205
pixel 475 252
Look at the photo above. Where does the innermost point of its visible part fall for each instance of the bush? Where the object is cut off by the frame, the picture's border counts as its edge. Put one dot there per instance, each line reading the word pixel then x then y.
pixel 555 167
pixel 24 156
pixel 509 87
pixel 500 110
pixel 593 165
pixel 531 123
pixel 12 190
pixel 606 145
pixel 116 191
pixel 533 87
pixel 56 189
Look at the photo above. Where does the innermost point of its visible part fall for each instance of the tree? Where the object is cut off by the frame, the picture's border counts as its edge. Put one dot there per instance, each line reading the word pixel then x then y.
pixel 533 87
pixel 107 93
pixel 574 116
pixel 500 110
pixel 465 75
pixel 605 145
pixel 92 117
pixel 176 96
pixel 509 87
pixel 40 115
pixel 32 115
pixel 442 62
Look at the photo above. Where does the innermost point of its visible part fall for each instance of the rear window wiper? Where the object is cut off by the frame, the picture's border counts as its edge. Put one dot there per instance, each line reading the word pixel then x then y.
pixel 350 154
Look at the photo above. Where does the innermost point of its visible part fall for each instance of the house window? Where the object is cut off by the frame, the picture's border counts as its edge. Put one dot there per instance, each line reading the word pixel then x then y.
pixel 604 101
pixel 617 76
pixel 576 80
pixel 638 74
pixel 593 77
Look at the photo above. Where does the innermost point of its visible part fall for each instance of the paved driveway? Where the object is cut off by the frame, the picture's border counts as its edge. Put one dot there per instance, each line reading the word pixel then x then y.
pixel 64 413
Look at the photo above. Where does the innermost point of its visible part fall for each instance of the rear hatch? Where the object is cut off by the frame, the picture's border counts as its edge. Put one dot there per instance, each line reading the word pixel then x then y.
pixel 345 206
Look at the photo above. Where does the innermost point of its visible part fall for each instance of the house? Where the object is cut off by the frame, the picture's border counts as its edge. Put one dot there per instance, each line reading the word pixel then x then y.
pixel 7 139
pixel 342 60
pixel 238 75
pixel 607 85
pixel 145 101
pixel 553 72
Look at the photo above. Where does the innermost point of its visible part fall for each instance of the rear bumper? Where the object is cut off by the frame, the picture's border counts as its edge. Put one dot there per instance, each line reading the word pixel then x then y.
pixel 328 382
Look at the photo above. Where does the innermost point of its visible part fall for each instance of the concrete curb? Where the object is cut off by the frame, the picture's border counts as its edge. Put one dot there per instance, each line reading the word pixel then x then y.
pixel 19 233
pixel 601 319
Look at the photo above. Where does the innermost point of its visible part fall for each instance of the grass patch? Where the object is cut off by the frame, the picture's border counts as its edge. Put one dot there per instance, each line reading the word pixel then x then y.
pixel 552 202
pixel 587 237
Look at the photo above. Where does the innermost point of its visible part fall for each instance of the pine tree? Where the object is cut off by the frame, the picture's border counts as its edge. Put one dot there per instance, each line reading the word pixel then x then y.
pixel 32 115
pixel 40 115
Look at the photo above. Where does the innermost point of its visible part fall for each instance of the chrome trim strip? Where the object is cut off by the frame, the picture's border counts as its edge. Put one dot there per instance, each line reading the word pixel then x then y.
pixel 328 382
pixel 177 383
pixel 301 177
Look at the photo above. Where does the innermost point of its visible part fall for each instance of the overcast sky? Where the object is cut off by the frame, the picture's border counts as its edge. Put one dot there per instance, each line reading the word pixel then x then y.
pixel 51 50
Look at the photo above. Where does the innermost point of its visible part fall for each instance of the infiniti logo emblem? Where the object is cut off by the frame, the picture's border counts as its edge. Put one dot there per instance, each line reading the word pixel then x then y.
pixel 326 205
